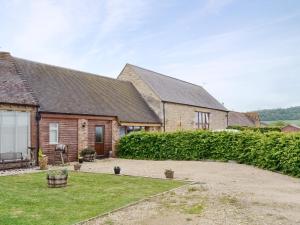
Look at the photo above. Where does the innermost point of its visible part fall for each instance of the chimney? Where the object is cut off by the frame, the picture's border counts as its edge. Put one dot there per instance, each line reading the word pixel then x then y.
pixel 5 55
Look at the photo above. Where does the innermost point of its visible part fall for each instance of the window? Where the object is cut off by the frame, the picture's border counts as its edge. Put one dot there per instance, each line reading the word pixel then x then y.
pixel 122 131
pixel 202 120
pixel 134 128
pixel 53 133
pixel 99 134
pixel 14 132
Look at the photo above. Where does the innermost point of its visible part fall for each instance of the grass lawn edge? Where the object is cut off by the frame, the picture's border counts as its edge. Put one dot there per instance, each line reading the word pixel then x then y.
pixel 188 183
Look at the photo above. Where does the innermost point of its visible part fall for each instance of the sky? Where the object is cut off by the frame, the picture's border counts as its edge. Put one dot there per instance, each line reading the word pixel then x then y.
pixel 246 53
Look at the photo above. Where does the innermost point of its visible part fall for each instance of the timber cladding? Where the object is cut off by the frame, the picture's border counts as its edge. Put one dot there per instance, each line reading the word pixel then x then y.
pixel 69 131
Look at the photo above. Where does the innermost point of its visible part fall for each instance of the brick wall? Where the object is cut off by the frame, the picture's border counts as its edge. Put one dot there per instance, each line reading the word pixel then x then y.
pixel 73 134
pixel 181 117
pixel 67 134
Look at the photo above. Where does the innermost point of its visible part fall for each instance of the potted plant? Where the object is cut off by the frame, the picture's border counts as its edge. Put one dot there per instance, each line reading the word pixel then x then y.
pixel 57 178
pixel 88 154
pixel 80 158
pixel 77 166
pixel 43 160
pixel 169 173
pixel 117 170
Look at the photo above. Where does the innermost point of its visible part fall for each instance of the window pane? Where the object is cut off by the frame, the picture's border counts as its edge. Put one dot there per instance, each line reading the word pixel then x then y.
pixel 122 131
pixel 53 133
pixel 22 132
pixel 99 134
pixel 8 133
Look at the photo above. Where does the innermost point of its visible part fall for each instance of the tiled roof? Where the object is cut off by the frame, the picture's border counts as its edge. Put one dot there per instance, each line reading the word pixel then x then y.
pixel 240 119
pixel 13 88
pixel 174 90
pixel 62 90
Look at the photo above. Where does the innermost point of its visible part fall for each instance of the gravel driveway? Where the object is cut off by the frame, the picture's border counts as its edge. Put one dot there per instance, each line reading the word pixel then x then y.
pixel 226 193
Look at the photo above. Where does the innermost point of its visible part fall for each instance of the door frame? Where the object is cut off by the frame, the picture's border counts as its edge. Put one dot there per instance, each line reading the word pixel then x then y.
pixel 103 139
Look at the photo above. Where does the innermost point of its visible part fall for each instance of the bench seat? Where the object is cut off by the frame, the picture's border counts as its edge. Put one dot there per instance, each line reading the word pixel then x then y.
pixel 12 160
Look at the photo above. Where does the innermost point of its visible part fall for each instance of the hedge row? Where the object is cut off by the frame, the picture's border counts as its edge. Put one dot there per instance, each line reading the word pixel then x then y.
pixel 273 151
pixel 258 129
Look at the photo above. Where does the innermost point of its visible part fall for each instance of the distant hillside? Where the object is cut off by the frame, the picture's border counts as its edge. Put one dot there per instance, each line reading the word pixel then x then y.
pixel 292 113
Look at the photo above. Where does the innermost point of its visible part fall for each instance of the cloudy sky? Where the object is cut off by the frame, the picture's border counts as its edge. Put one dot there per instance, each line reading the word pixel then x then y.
pixel 246 53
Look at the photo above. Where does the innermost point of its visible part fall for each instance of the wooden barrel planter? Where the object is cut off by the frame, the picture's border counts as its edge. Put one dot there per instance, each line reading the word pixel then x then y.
pixel 57 179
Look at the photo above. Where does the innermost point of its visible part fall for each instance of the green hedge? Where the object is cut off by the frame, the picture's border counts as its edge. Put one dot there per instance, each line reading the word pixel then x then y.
pixel 258 129
pixel 273 151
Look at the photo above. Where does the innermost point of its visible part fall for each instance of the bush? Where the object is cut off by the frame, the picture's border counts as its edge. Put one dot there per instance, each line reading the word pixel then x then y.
pixel 258 129
pixel 87 151
pixel 272 150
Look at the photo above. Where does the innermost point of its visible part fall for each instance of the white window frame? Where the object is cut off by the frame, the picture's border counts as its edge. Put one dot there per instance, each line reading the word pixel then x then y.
pixel 15 138
pixel 53 127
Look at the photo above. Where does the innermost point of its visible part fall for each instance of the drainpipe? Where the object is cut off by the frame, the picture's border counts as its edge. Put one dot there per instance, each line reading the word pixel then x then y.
pixel 37 118
pixel 227 119
pixel 164 116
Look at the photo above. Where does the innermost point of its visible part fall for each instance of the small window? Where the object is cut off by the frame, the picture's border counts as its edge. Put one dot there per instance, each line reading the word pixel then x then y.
pixel 202 120
pixel 53 133
pixel 134 128
pixel 122 131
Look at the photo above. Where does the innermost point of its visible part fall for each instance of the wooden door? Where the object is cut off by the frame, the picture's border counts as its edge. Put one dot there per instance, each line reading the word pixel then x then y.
pixel 99 140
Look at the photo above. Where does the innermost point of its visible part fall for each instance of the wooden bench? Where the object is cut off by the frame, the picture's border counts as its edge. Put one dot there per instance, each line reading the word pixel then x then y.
pixel 12 160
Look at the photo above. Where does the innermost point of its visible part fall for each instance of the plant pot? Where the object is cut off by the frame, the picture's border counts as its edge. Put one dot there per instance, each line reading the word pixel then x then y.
pixel 89 157
pixel 57 181
pixel 43 162
pixel 80 160
pixel 77 167
pixel 117 170
pixel 169 174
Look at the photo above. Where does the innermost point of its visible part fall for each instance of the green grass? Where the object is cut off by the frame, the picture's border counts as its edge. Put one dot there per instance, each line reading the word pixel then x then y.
pixel 296 122
pixel 26 199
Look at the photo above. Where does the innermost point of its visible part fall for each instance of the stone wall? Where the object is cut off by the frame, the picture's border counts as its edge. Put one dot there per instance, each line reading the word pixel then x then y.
pixel 82 134
pixel 181 117
pixel 128 74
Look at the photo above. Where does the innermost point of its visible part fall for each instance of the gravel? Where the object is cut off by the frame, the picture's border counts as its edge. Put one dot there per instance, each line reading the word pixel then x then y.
pixel 230 193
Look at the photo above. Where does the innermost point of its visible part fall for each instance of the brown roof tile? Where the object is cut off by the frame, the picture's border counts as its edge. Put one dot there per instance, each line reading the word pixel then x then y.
pixel 170 89
pixel 61 90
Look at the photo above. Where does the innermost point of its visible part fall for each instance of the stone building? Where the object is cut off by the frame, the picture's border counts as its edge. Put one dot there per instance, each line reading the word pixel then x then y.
pixel 178 104
pixel 44 105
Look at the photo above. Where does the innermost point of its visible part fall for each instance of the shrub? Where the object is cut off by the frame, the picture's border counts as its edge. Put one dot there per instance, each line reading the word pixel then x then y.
pixel 87 151
pixel 258 129
pixel 272 150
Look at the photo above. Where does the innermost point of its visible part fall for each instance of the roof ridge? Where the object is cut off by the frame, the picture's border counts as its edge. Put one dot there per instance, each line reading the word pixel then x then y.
pixel 24 80
pixel 174 78
pixel 82 73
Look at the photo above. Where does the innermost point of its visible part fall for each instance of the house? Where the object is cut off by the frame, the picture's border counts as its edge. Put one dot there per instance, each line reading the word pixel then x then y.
pixel 179 105
pixel 44 105
pixel 290 128
pixel 250 119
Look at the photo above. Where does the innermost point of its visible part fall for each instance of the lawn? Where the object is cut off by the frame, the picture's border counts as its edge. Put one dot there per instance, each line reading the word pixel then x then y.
pixel 296 122
pixel 26 199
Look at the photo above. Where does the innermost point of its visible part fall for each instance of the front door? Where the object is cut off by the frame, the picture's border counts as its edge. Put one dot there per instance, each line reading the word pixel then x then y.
pixel 99 140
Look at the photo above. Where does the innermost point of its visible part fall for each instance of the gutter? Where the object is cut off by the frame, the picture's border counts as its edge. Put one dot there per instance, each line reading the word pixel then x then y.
pixel 37 118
